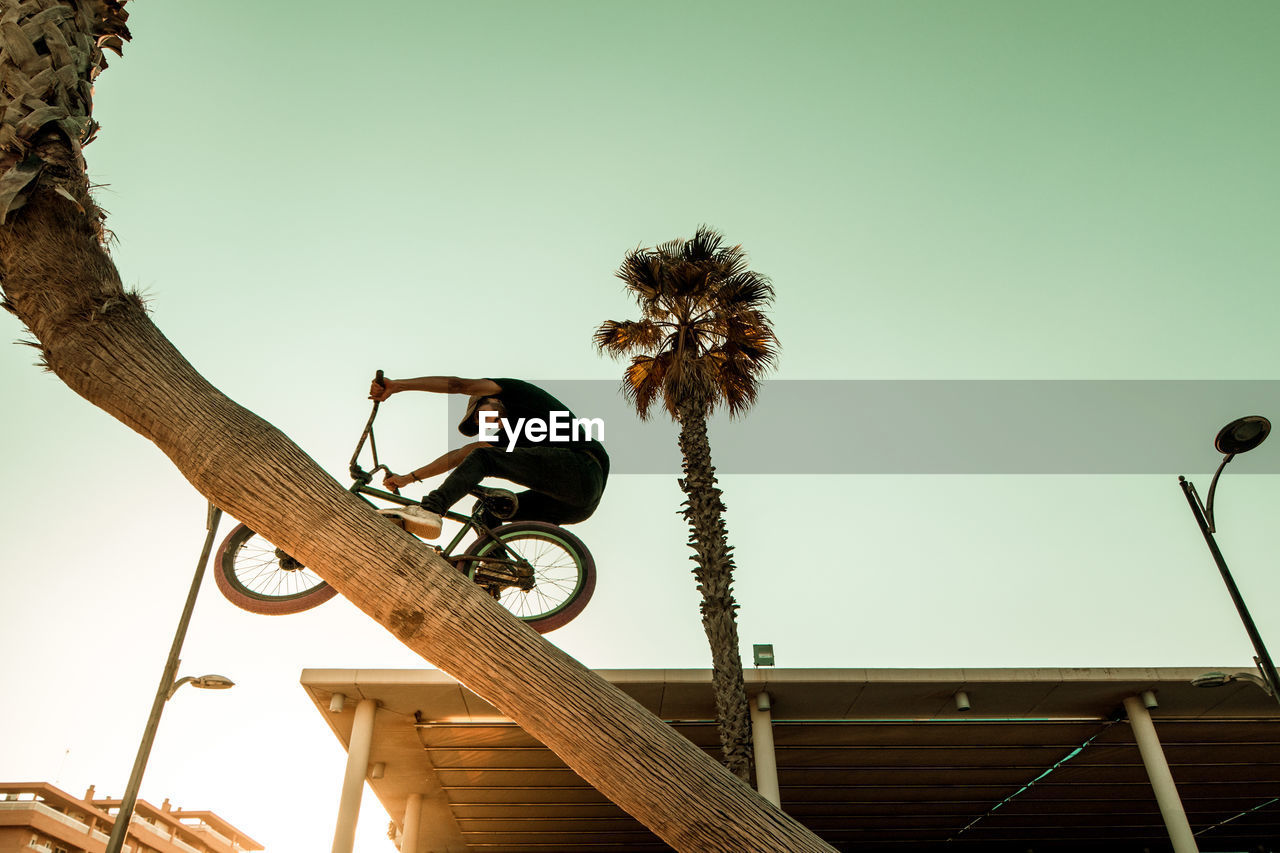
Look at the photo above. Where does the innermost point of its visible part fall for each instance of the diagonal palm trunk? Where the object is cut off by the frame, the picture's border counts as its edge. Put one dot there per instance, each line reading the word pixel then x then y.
pixel 707 536
pixel 98 340
pixel 60 282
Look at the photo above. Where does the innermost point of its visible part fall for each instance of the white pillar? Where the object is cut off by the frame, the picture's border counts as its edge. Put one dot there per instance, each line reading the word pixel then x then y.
pixel 1175 818
pixel 412 817
pixel 766 758
pixel 344 834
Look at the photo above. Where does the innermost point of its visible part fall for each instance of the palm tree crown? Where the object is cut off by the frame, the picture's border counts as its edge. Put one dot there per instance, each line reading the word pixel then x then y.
pixel 703 336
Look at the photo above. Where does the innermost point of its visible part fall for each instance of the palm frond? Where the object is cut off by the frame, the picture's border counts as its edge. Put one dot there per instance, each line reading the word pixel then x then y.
pixel 738 392
pixel 702 247
pixel 745 289
pixel 619 337
pixel 671 248
pixel 640 272
pixel 643 381
pixel 731 262
pixel 749 335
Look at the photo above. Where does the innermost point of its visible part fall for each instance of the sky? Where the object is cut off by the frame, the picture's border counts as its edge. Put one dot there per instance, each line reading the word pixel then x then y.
pixel 307 193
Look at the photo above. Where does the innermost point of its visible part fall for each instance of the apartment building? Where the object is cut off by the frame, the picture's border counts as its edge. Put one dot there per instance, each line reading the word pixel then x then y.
pixel 39 818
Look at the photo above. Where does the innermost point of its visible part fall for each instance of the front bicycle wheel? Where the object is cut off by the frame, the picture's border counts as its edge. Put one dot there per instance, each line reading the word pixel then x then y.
pixel 257 576
pixel 564 573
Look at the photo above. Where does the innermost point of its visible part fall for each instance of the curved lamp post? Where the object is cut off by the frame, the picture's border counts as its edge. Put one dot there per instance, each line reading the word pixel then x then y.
pixel 169 684
pixel 1239 436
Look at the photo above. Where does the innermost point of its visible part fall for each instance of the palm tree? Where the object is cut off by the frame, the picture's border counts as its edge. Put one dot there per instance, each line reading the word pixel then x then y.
pixel 97 338
pixel 702 340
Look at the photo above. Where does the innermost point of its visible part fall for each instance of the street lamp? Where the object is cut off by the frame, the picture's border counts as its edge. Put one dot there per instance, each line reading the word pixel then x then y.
pixel 169 684
pixel 1239 436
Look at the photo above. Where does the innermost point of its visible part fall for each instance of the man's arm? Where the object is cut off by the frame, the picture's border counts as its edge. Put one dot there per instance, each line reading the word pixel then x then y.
pixel 446 462
pixel 434 384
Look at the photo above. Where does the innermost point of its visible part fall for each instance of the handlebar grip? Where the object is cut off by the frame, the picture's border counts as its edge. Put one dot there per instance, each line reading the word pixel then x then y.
pixel 378 378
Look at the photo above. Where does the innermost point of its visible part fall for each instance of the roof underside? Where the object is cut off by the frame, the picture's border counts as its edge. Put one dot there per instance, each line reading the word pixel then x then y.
pixel 870 760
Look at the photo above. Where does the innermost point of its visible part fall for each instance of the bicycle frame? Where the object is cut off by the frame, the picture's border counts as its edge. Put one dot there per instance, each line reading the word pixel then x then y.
pixel 483 574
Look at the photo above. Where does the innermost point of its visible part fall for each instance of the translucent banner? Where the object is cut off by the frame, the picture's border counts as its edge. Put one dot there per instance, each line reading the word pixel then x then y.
pixel 942 427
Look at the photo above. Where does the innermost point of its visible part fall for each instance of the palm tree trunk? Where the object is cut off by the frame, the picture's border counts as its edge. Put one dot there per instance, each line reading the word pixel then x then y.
pixel 98 339
pixel 710 542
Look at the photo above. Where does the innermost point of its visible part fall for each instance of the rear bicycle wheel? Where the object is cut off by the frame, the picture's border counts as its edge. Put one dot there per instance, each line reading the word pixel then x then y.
pixel 564 572
pixel 257 576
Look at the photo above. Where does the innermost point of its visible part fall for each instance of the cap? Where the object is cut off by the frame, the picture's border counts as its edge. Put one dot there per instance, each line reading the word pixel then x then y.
pixel 469 425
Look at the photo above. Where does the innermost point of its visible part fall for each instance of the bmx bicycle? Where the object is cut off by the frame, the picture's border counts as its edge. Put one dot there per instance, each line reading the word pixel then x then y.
pixel 540 572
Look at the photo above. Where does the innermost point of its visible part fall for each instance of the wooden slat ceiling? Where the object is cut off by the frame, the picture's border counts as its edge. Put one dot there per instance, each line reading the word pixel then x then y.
pixel 914 786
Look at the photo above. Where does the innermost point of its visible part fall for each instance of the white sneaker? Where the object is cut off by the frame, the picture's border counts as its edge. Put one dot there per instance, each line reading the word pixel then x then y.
pixel 419 521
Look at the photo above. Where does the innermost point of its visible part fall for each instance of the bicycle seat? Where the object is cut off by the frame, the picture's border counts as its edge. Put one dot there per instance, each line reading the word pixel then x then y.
pixel 501 502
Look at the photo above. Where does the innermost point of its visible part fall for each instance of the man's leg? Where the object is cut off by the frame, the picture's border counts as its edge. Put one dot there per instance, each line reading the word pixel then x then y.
pixel 535 506
pixel 562 475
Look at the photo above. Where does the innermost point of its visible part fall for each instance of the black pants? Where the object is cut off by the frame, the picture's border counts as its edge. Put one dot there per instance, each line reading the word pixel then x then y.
pixel 564 485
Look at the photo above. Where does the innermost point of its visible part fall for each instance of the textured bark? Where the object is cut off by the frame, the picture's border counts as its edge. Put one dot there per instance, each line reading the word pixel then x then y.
pixel 61 283
pixel 713 559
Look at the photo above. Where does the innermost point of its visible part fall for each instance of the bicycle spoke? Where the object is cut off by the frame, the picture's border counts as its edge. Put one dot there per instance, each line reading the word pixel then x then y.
pixel 259 571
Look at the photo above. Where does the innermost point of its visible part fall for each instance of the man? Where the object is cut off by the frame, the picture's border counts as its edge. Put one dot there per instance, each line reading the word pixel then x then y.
pixel 564 478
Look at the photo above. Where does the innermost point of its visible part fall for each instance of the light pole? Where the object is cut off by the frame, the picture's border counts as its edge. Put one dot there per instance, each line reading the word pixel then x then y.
pixel 169 684
pixel 1239 436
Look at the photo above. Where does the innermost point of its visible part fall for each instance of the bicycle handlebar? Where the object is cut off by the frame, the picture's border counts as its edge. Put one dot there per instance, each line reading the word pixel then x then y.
pixel 368 434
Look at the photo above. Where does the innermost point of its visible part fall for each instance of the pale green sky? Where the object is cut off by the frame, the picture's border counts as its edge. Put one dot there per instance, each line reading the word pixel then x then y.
pixel 943 190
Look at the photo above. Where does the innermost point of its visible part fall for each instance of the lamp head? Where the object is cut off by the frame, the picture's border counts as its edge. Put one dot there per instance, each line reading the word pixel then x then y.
pixel 1242 434
pixel 1211 679
pixel 204 682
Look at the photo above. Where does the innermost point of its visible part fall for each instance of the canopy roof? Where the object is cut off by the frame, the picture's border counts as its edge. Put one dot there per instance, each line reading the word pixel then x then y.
pixel 869 759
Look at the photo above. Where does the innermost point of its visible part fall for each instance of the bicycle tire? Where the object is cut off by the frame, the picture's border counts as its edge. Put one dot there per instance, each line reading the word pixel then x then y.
pixel 251 575
pixel 562 563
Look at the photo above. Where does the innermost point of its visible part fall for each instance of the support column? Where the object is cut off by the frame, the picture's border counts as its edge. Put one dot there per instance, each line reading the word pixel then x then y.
pixel 766 758
pixel 412 819
pixel 344 834
pixel 1175 818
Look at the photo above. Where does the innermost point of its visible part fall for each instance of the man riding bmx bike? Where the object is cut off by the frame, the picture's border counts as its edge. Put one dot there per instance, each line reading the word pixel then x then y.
pixel 564 478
